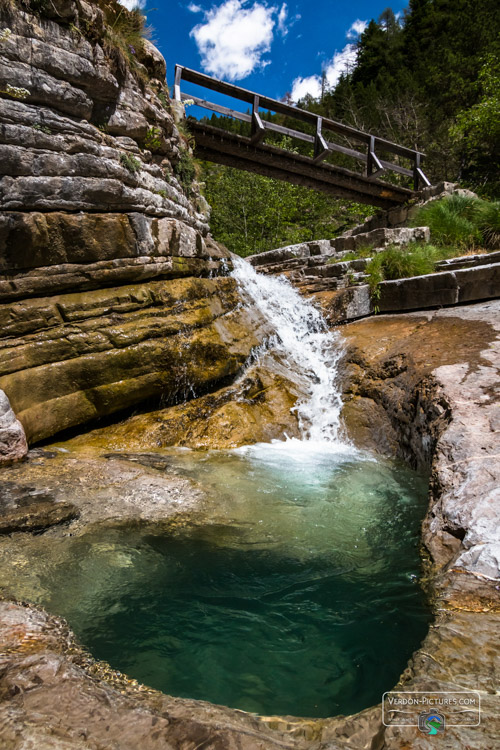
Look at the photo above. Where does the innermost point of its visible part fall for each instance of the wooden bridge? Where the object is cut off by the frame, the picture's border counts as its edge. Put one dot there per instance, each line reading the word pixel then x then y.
pixel 254 155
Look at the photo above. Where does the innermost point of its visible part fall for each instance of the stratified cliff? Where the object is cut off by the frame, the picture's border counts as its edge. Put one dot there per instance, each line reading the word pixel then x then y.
pixel 111 289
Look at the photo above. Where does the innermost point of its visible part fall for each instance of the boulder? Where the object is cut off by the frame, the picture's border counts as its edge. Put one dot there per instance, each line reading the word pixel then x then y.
pixel 13 445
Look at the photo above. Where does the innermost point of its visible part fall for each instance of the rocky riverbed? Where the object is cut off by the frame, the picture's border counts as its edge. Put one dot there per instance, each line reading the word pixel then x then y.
pixel 419 384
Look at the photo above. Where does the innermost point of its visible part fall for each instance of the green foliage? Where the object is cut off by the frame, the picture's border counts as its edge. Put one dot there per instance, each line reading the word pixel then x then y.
pixel 42 129
pixel 153 140
pixel 163 99
pixel 450 222
pixel 130 162
pixel 487 219
pixel 396 262
pixel 252 214
pixel 185 170
pixel 461 221
pixel 477 129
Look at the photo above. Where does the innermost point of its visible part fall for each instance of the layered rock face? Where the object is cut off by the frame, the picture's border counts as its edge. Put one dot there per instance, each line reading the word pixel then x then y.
pixel 111 289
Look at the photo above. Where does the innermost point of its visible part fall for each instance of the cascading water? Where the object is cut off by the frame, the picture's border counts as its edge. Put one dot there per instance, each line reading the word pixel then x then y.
pixel 296 596
pixel 303 340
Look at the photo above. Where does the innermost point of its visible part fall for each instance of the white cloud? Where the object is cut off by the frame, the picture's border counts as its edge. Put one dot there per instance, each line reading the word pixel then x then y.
pixel 341 62
pixel 132 4
pixel 233 38
pixel 282 16
pixel 194 8
pixel 356 29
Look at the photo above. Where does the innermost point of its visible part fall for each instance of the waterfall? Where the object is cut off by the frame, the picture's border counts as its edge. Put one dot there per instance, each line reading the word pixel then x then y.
pixel 302 339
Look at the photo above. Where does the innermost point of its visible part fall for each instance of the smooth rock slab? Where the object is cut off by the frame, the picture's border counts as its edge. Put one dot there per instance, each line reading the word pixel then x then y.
pixel 29 509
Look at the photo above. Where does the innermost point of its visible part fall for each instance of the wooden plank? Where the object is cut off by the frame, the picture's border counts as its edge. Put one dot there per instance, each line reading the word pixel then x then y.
pixel 288 131
pixel 278 169
pixel 217 108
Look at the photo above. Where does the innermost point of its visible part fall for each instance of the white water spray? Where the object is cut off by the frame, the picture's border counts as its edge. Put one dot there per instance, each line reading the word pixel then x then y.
pixel 303 340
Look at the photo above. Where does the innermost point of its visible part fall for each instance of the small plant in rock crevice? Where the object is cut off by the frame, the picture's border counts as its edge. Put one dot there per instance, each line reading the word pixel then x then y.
pixel 185 170
pixel 153 140
pixel 130 163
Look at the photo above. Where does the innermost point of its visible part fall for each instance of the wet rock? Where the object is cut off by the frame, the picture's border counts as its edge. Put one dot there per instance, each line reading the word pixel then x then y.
pixel 57 696
pixel 152 460
pixel 24 508
pixel 346 304
pixel 80 356
pixel 84 488
pixel 13 445
pixel 436 379
pixel 256 408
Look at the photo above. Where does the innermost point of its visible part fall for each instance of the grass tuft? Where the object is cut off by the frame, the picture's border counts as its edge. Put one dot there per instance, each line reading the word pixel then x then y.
pixel 396 262
pixel 465 222
pixel 487 219
pixel 451 221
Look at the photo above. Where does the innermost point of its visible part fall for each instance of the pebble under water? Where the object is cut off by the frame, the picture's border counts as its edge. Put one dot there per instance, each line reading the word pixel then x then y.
pixel 300 598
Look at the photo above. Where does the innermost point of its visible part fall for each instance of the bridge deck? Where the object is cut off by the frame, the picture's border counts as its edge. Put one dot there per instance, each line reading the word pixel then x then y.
pixel 231 150
pixel 253 155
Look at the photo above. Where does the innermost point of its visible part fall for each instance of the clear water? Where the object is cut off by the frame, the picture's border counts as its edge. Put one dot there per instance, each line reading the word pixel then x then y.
pixel 300 599
pixel 299 596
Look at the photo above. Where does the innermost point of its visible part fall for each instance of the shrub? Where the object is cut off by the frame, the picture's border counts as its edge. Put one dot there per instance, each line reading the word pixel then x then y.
pixel 451 221
pixel 487 219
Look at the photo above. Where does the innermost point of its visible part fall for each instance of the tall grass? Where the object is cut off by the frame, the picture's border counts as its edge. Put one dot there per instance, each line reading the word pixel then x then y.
pixel 487 218
pixel 396 262
pixel 462 221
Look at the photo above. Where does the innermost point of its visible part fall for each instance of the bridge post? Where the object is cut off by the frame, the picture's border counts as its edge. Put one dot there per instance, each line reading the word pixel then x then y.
pixel 321 148
pixel 373 160
pixel 418 174
pixel 258 129
pixel 177 83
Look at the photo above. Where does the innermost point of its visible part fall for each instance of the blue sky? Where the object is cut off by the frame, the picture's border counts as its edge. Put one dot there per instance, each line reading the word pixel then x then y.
pixel 269 47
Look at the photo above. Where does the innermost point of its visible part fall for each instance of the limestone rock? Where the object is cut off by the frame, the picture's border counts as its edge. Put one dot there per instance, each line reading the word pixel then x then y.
pixel 81 356
pixel 256 408
pixel 418 292
pixel 435 376
pixel 13 445
pixel 29 509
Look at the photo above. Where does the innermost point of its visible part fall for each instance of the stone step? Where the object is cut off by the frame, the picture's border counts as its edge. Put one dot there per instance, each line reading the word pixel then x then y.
pixel 338 269
pixel 468 261
pixel 380 238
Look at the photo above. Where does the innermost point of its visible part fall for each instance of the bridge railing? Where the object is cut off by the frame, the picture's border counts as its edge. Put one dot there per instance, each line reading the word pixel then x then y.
pixel 375 165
